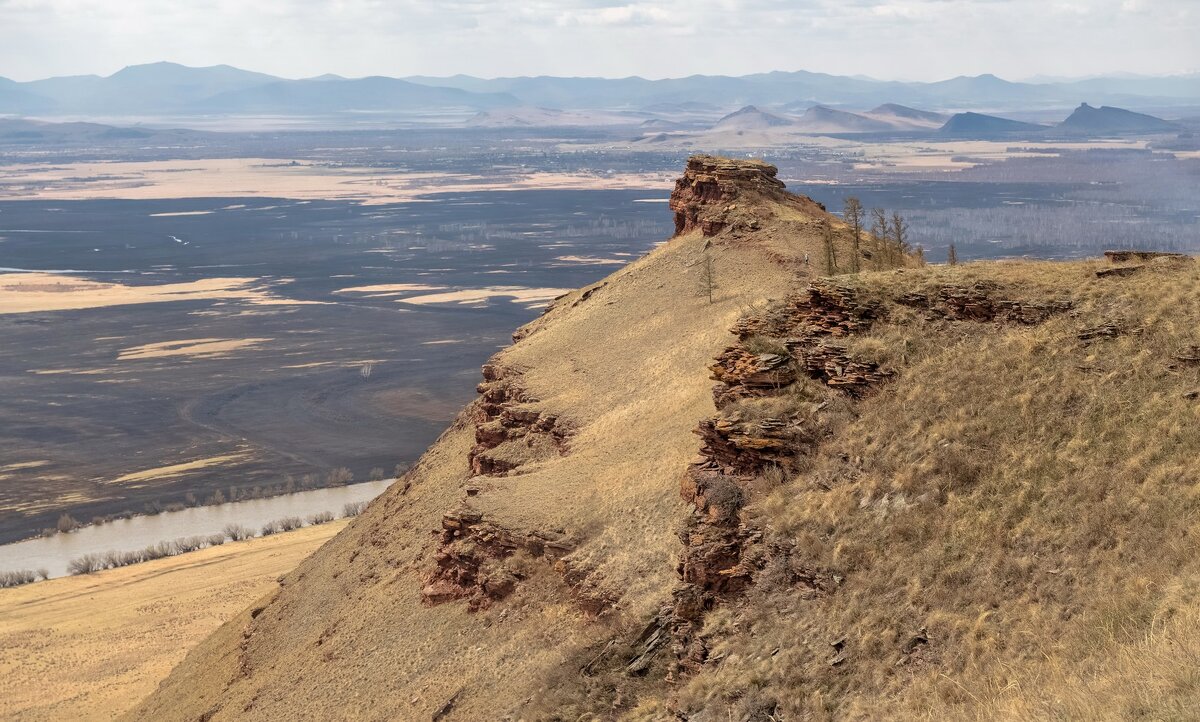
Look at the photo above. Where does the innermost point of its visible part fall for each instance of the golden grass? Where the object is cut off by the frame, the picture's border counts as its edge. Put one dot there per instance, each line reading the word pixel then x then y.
pixel 625 367
pixel 90 647
pixel 1025 497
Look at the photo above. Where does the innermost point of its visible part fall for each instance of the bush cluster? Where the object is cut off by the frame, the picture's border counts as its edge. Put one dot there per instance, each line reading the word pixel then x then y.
pixel 21 576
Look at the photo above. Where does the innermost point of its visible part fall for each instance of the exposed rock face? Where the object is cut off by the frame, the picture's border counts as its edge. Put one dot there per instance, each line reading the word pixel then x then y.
pixel 471 561
pixel 703 195
pixel 981 302
pixel 509 431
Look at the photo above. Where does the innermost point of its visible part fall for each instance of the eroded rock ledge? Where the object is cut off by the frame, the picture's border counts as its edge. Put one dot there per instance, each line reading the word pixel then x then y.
pixel 779 391
pixel 704 196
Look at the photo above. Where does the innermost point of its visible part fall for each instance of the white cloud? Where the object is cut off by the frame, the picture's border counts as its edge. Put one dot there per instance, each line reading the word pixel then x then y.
pixel 920 39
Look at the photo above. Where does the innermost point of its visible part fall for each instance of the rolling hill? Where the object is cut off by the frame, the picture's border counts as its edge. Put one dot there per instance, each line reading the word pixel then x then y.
pixel 1105 119
pixel 980 125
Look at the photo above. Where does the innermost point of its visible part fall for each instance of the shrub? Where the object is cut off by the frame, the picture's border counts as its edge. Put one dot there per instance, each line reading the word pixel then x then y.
pixel 214 540
pixel 85 564
pixel 376 473
pixel 339 477
pixel 67 523
pixel 322 518
pixel 43 574
pixel 174 506
pixel 289 523
pixel 237 532
pixel 19 577
pixel 353 508
pixel 271 527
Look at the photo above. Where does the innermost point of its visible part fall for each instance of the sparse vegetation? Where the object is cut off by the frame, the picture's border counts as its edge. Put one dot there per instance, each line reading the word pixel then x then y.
pixel 322 518
pixel 353 508
pixel 20 577
pixel 89 563
pixel 1005 516
pixel 708 277
pixel 237 532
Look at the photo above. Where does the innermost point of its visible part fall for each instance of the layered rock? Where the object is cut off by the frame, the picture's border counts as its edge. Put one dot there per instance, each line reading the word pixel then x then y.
pixel 704 197
pixel 509 430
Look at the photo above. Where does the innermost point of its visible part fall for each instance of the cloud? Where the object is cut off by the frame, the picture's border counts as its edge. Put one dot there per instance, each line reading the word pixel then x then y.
pixel 917 39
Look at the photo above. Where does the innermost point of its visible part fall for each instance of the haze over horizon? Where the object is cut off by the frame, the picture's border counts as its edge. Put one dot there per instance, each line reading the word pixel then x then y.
pixel 919 40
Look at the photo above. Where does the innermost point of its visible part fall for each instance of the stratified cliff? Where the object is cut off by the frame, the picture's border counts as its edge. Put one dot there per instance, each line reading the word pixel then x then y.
pixel 543 523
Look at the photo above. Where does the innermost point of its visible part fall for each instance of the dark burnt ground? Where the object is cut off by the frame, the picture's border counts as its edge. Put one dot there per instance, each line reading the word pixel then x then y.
pixel 300 403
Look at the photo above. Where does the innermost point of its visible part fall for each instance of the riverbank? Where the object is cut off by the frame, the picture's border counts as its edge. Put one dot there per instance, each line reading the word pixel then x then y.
pixel 55 554
pixel 90 647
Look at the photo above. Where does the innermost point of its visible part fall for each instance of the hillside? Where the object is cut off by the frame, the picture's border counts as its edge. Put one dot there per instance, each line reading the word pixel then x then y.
pixel 905 118
pixel 941 493
pixel 1105 119
pixel 978 124
pixel 819 119
pixel 751 118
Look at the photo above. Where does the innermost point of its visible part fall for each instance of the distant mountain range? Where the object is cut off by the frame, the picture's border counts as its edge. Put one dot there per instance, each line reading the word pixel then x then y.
pixel 892 117
pixel 163 89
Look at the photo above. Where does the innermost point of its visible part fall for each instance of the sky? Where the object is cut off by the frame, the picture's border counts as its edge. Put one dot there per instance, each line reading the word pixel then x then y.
pixel 886 39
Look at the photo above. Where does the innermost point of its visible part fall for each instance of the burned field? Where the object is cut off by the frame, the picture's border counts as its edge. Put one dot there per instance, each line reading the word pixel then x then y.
pixel 171 349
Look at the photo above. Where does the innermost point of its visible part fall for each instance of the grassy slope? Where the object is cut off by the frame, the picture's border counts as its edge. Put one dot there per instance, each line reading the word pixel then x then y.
pixel 91 647
pixel 1024 497
pixel 1027 498
pixel 348 634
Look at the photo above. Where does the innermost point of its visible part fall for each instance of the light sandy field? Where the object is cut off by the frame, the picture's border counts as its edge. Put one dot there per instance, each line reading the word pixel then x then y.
pixel 194 347
pixel 37 292
pixel 90 647
pixel 171 470
pixel 261 178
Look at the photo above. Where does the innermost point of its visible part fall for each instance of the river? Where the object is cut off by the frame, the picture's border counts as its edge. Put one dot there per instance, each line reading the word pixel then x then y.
pixel 54 553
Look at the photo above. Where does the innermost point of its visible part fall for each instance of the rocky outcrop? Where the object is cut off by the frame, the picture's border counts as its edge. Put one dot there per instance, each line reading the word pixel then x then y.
pixel 471 561
pixel 704 197
pixel 980 302
pixel 509 430
pixel 1130 256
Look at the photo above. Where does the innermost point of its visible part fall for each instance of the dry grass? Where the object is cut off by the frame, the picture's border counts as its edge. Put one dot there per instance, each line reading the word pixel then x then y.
pixel 626 368
pixel 89 647
pixel 1025 497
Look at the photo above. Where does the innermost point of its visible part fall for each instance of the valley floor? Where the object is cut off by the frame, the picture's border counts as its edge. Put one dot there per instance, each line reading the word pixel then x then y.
pixel 91 647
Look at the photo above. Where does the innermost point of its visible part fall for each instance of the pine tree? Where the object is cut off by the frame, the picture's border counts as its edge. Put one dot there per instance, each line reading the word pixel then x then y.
pixel 952 256
pixel 853 214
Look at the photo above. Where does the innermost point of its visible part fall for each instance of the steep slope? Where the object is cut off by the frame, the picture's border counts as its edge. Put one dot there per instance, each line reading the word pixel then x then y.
pixel 992 518
pixel 960 492
pixel 1106 119
pixel 543 523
